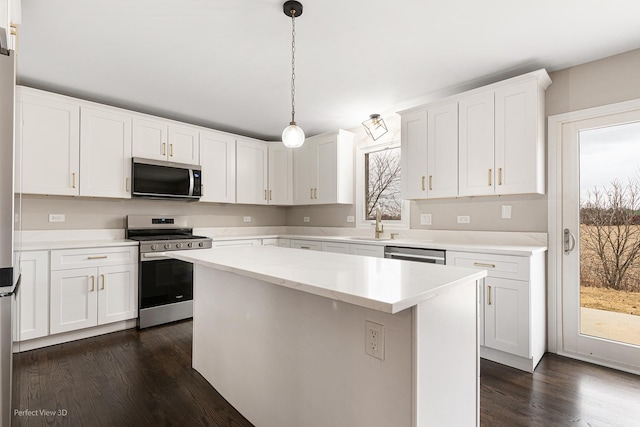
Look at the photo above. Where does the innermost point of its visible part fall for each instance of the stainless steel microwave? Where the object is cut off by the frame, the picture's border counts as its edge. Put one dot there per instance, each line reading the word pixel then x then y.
pixel 166 180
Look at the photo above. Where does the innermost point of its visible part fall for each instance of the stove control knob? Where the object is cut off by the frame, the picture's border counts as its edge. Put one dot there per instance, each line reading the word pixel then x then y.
pixel 167 245
pixel 178 245
pixel 190 244
pixel 201 244
pixel 154 247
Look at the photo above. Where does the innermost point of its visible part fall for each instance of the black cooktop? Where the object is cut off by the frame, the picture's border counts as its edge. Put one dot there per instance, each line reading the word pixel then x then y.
pixel 166 237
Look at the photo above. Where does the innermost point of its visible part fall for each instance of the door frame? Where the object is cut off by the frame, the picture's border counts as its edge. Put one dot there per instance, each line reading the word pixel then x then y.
pixel 555 341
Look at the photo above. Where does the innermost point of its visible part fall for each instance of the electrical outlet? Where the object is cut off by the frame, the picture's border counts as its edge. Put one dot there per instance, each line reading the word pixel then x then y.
pixel 464 219
pixel 56 218
pixel 374 340
pixel 506 212
pixel 351 218
pixel 246 219
pixel 306 219
pixel 425 219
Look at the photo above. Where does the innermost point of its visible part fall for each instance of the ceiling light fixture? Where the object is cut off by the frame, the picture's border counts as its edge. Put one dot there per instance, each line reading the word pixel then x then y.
pixel 292 135
pixel 375 126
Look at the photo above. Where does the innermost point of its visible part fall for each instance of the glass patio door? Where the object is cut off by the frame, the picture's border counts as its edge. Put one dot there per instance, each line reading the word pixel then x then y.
pixel 601 236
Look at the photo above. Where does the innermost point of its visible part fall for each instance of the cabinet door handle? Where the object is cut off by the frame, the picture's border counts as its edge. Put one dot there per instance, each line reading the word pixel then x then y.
pixel 480 264
pixel 489 295
pixel 171 150
pixel 164 148
pixel 93 283
pixel 270 194
pixel 315 193
pixel 102 278
pixel 423 183
pixel 489 177
pixel 127 184
pixel 430 182
pixel 73 176
pixel 499 176
pixel 311 193
pixel 265 194
pixel 98 257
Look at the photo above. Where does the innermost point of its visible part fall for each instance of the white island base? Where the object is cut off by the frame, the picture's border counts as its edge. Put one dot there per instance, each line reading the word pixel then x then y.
pixel 284 357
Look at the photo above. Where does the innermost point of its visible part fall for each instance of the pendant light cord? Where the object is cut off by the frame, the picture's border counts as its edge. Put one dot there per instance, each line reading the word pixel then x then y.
pixel 293 66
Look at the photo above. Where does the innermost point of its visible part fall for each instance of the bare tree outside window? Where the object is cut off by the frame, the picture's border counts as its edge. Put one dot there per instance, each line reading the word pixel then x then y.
pixel 610 236
pixel 382 184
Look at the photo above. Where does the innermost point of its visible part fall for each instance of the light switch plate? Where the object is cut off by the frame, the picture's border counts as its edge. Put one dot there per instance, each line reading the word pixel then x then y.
pixel 307 219
pixel 506 212
pixel 246 219
pixel 464 219
pixel 351 218
pixel 425 219
pixel 56 218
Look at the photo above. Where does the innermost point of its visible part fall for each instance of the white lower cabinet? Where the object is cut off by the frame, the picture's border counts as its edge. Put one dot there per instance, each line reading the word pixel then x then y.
pixel 312 245
pixel 367 250
pixel 513 322
pixel 104 290
pixel 237 243
pixel 33 296
pixel 336 247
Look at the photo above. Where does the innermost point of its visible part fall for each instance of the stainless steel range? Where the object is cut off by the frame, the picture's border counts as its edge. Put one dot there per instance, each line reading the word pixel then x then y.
pixel 165 284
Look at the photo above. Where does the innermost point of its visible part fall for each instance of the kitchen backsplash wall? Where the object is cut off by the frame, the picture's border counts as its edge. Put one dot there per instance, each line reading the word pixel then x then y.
pixel 93 213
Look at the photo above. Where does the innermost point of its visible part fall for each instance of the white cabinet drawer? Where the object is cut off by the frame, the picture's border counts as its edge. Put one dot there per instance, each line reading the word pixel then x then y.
pixel 367 250
pixel 237 243
pixel 93 257
pixel 306 244
pixel 505 266
pixel 336 247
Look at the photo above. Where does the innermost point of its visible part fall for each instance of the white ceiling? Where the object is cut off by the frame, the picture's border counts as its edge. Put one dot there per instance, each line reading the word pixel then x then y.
pixel 225 64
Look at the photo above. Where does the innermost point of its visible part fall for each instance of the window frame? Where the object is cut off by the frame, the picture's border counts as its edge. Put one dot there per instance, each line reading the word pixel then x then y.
pixel 361 150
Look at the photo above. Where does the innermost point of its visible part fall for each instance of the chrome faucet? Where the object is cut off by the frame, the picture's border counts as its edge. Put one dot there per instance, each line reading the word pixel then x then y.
pixel 379 226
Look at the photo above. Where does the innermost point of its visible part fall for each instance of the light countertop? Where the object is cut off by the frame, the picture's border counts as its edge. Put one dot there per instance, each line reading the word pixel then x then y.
pixel 381 284
pixel 75 244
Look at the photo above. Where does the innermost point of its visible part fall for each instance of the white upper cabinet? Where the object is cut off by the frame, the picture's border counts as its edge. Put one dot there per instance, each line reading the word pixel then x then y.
pixel 476 145
pixel 161 140
pixel 48 136
pixel 414 154
pixel 105 153
pixel 502 138
pixel 10 16
pixel 442 151
pixel 323 169
pixel 218 161
pixel 280 174
pixel 251 172
pixel 430 152
pixel 519 148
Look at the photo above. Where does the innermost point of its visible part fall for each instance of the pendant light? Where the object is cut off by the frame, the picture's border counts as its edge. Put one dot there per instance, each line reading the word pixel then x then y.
pixel 292 135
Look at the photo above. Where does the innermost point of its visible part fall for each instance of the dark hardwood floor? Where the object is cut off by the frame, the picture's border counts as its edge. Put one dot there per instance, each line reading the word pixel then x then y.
pixel 144 378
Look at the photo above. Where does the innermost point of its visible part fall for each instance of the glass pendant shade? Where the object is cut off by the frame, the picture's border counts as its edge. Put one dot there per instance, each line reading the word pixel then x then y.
pixel 293 136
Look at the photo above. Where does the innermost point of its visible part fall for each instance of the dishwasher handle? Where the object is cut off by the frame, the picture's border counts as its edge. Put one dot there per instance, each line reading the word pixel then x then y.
pixel 413 256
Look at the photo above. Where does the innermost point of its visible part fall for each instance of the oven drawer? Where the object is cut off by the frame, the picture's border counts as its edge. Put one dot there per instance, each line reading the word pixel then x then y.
pixel 93 257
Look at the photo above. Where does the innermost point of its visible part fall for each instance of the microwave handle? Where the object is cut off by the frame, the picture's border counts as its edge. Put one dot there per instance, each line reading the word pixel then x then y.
pixel 191 182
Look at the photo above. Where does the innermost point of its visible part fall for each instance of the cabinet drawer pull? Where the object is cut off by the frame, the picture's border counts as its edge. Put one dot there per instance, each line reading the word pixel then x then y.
pixel 489 177
pixel 480 264
pixel 423 183
pixel 488 295
pixel 499 176
pixel 98 257
pixel 73 175
pixel 430 182
pixel 102 278
pixel 164 148
pixel 93 283
pixel 171 150
pixel 305 247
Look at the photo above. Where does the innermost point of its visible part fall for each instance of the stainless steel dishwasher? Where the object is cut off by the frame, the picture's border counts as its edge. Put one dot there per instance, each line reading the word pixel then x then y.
pixel 431 256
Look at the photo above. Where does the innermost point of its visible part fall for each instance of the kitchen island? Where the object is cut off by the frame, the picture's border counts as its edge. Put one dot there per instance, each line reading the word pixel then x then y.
pixel 282 335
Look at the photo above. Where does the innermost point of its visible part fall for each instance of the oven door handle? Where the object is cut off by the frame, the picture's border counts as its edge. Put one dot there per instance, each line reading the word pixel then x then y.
pixel 154 256
pixel 414 256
